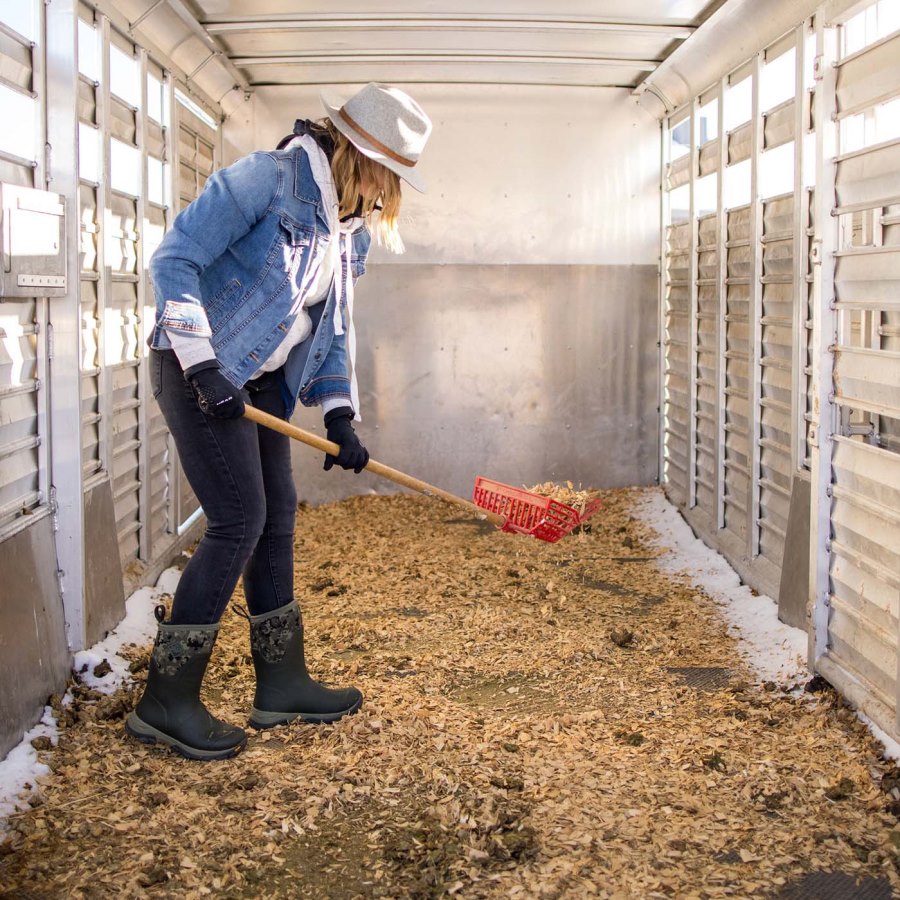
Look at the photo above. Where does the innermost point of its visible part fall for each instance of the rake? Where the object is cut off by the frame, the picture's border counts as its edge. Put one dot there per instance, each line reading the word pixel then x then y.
pixel 509 508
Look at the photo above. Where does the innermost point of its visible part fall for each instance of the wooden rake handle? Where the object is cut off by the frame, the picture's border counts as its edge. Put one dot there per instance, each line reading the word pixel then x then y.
pixel 401 478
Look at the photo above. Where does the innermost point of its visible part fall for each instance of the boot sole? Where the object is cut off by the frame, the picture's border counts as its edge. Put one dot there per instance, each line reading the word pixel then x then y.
pixel 147 734
pixel 260 719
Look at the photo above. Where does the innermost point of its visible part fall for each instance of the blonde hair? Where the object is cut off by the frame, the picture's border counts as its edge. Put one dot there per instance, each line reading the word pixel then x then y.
pixel 350 169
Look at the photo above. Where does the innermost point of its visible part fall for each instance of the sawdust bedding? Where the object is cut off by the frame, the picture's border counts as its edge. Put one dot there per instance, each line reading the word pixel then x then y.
pixel 524 734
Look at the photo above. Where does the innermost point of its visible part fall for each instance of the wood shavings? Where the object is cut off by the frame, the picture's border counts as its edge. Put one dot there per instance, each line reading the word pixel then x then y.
pixel 507 747
pixel 565 493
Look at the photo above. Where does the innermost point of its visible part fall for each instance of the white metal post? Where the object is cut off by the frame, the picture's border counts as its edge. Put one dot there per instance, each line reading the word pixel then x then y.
pixel 693 306
pixel 824 336
pixel 64 327
pixel 663 276
pixel 721 305
pixel 42 313
pixel 104 288
pixel 799 288
pixel 754 367
pixel 145 550
pixel 170 114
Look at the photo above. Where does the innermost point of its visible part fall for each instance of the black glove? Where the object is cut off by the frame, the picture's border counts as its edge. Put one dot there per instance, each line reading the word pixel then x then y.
pixel 338 429
pixel 215 394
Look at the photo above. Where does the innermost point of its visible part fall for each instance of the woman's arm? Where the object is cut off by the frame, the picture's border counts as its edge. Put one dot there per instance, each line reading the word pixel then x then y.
pixel 232 202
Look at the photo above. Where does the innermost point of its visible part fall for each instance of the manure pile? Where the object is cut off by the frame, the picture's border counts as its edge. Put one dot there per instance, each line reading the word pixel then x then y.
pixel 541 720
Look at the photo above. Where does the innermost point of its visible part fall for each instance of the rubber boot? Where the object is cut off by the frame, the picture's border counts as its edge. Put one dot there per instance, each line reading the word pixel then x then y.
pixel 284 689
pixel 170 710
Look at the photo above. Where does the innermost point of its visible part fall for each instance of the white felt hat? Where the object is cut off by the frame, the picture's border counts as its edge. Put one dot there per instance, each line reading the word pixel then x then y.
pixel 384 124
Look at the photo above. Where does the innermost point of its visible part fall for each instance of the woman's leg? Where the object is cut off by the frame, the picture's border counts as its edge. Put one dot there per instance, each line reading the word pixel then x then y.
pixel 221 459
pixel 269 573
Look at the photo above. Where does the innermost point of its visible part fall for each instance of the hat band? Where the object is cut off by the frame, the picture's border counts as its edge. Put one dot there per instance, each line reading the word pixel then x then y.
pixel 374 141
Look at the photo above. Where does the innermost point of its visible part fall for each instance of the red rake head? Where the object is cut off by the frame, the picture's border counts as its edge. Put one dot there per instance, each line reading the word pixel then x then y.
pixel 529 513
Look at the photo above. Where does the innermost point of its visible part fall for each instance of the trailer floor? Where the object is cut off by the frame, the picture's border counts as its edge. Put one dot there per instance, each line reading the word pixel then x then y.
pixel 541 720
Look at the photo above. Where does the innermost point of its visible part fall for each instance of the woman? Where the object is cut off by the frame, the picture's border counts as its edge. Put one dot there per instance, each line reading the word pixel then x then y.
pixel 254 291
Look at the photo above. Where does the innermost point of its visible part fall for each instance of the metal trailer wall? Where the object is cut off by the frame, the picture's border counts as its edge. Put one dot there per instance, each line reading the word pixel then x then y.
pixel 516 337
pixel 92 500
pixel 780 360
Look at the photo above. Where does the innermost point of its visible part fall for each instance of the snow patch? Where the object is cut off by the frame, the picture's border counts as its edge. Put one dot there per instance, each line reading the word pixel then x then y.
pixel 21 769
pixel 774 651
pixel 137 627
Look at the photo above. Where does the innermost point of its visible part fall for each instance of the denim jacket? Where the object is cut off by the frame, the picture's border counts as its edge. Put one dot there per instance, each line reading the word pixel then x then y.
pixel 235 264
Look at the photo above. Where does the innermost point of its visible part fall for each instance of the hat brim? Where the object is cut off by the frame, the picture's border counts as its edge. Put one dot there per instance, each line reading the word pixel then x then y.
pixel 333 103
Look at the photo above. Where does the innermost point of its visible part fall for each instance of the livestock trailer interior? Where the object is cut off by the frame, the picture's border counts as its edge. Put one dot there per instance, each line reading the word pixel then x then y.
pixel 660 244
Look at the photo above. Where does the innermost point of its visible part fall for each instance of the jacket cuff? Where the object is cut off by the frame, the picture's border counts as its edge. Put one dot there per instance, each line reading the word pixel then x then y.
pixel 186 317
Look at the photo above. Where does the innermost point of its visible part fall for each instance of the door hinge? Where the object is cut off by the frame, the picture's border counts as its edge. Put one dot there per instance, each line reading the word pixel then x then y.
pixel 49 340
pixel 48 174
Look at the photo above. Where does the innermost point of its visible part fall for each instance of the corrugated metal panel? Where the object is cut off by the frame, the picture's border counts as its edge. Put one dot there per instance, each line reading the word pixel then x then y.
pixel 869 77
pixel 737 372
pixel 869 177
pixel 868 380
pixel 122 125
pixel 20 437
pixel 122 351
pixel 90 378
pixel 709 157
pixel 807 319
pixel 776 365
pixel 196 154
pixel 90 331
pixel 677 365
pixel 705 415
pixel 87 101
pixel 868 277
pixel 779 125
pixel 159 461
pixel 865 565
pixel 15 62
pixel 679 172
pixel 739 144
pixel 19 434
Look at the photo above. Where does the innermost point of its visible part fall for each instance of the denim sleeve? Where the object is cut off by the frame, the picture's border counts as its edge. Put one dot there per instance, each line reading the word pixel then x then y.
pixel 233 200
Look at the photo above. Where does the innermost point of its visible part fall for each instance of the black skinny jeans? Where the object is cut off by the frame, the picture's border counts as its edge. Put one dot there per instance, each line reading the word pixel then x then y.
pixel 241 474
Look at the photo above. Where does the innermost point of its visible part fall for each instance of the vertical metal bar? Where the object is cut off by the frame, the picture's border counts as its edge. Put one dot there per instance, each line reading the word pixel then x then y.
pixel 754 410
pixel 693 323
pixel 722 302
pixel 798 286
pixel 663 274
pixel 173 467
pixel 104 286
pixel 41 145
pixel 42 175
pixel 145 550
pixel 65 316
pixel 824 336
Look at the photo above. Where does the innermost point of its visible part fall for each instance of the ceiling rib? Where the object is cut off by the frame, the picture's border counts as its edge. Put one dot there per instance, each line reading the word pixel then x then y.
pixel 320 58
pixel 369 22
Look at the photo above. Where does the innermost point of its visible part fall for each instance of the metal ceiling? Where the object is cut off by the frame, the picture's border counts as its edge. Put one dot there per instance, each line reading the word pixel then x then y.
pixel 249 43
